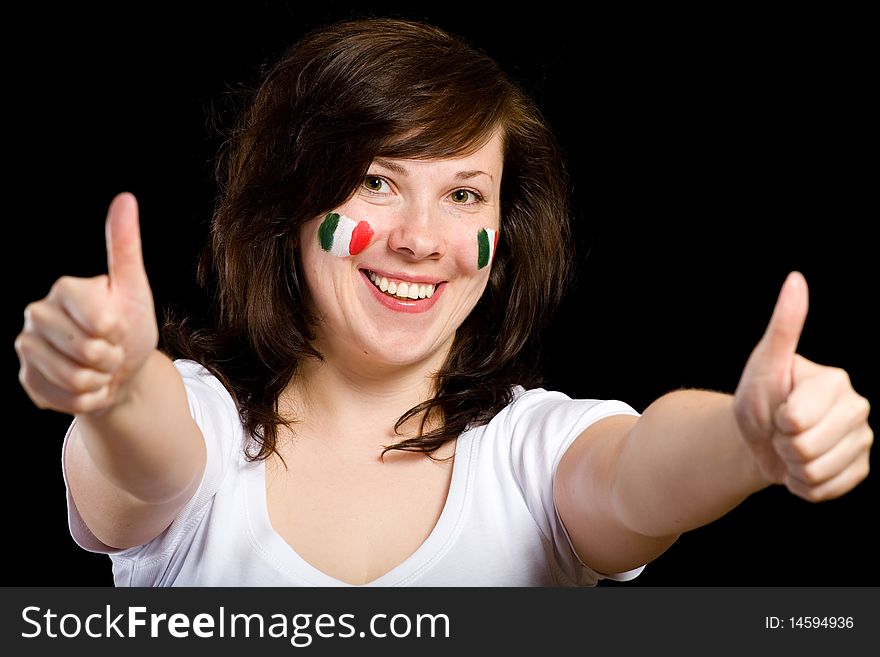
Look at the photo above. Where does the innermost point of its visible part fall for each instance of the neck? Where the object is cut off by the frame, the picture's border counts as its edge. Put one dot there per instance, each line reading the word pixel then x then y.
pixel 354 405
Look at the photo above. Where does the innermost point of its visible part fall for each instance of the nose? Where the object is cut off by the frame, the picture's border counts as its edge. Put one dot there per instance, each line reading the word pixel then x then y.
pixel 418 235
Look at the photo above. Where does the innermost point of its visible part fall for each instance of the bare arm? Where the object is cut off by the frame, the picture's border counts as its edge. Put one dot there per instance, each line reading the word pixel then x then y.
pixel 89 349
pixel 627 488
pixel 130 470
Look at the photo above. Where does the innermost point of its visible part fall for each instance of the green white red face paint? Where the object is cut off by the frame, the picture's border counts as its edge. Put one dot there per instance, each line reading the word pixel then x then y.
pixel 343 236
pixel 487 240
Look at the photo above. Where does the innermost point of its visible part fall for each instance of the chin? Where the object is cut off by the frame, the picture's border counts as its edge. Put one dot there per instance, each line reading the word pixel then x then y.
pixel 399 357
pixel 402 349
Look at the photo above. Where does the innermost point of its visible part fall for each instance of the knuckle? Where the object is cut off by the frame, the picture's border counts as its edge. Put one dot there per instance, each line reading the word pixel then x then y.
pixel 81 404
pixel 23 345
pixel 809 473
pixel 92 351
pixel 88 403
pixel 841 376
pixel 105 322
pixel 81 380
pixel 794 416
pixel 30 311
pixel 62 285
pixel 109 358
pixel 800 450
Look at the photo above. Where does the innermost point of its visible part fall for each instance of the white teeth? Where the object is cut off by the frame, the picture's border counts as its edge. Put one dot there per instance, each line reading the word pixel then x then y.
pixel 402 290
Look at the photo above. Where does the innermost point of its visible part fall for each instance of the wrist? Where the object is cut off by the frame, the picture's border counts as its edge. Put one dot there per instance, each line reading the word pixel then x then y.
pixel 129 388
pixel 750 469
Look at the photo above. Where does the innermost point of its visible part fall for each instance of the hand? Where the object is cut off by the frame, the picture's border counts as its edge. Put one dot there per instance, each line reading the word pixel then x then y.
pixel 806 426
pixel 83 344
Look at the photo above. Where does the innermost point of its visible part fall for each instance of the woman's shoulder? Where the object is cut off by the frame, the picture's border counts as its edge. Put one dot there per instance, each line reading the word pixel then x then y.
pixel 192 369
pixel 540 402
pixel 204 385
pixel 542 419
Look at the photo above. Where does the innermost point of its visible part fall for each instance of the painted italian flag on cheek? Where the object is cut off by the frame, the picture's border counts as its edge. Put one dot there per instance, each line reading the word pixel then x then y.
pixel 343 236
pixel 487 240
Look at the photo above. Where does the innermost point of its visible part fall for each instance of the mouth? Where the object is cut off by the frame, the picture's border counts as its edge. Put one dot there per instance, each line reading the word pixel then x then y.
pixel 400 294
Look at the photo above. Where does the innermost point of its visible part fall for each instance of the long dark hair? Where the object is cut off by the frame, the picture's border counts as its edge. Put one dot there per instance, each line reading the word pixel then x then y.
pixel 340 97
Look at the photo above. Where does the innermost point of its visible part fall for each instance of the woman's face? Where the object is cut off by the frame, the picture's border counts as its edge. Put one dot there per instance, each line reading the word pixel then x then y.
pixel 395 270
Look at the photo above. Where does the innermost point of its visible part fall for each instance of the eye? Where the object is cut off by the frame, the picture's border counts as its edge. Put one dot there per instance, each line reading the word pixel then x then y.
pixel 465 197
pixel 376 184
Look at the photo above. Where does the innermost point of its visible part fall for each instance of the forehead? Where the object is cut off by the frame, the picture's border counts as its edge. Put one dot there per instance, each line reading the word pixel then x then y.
pixel 488 159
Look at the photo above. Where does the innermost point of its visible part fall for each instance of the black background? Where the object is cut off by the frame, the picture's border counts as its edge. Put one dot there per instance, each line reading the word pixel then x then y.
pixel 711 153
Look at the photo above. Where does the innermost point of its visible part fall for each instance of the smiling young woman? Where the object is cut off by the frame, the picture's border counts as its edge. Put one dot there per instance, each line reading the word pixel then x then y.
pixel 391 236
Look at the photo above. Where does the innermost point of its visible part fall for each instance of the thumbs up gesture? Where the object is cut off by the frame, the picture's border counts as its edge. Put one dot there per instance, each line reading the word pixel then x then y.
pixel 83 344
pixel 806 426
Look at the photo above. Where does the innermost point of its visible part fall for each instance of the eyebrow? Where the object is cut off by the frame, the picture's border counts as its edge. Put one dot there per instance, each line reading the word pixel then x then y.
pixel 398 169
pixel 391 166
pixel 464 175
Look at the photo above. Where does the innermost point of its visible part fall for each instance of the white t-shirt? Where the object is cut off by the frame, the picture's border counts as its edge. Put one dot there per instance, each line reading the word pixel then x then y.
pixel 499 525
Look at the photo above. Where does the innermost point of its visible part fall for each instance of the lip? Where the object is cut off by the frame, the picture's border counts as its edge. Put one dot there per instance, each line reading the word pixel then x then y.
pixel 403 305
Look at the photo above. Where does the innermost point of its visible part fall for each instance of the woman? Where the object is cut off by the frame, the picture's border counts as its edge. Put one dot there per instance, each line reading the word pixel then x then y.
pixel 391 236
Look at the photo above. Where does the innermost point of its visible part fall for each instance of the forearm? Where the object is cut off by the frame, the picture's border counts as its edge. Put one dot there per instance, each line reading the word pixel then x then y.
pixel 683 465
pixel 148 445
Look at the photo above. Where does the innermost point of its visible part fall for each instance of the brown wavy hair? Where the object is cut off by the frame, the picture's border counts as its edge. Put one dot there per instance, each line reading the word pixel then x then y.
pixel 340 97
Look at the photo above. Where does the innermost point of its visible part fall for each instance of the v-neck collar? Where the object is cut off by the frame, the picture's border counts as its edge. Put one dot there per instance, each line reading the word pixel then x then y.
pixel 283 557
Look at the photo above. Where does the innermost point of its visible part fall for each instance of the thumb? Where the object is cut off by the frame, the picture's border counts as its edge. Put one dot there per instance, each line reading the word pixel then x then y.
pixel 787 322
pixel 125 259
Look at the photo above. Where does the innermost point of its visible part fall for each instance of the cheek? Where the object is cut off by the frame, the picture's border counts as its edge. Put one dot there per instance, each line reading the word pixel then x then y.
pixel 487 241
pixel 474 249
pixel 343 236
